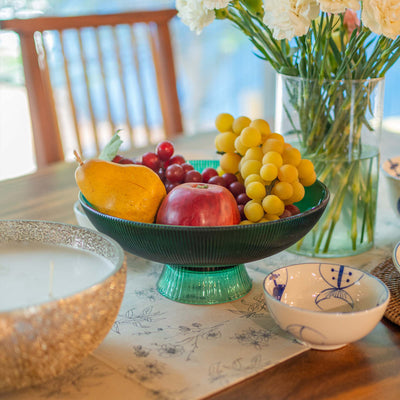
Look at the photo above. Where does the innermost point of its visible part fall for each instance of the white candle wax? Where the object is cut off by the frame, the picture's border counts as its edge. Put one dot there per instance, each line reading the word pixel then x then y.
pixel 26 277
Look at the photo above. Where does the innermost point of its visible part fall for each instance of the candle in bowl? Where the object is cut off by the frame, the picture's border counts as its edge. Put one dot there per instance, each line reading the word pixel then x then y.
pixel 61 287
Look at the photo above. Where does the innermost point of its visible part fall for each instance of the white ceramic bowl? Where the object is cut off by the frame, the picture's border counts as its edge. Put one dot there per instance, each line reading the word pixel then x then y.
pixel 396 256
pixel 81 217
pixel 325 306
pixel 391 171
pixel 60 291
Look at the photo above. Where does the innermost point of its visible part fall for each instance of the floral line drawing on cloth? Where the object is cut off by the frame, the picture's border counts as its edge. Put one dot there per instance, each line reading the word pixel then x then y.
pixel 256 338
pixel 220 371
pixel 198 334
pixel 142 319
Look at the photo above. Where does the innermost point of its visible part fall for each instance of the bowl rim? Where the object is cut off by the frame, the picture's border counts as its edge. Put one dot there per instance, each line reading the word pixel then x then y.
pixel 324 313
pixel 322 204
pixel 396 257
pixel 117 268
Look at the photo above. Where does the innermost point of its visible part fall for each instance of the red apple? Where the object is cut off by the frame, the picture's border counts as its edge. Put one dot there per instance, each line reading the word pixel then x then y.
pixel 198 204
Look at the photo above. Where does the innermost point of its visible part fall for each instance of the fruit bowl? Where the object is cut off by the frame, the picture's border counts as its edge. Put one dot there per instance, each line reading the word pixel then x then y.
pixel 205 265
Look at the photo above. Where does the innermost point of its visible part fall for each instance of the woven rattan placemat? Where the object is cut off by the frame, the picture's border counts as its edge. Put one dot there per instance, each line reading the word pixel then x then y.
pixel 388 273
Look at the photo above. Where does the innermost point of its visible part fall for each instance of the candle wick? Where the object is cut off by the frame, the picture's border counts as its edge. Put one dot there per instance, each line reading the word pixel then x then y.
pixel 51 279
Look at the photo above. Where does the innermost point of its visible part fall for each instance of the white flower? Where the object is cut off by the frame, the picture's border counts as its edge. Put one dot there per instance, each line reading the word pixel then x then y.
pixel 382 17
pixel 215 4
pixel 289 18
pixel 338 6
pixel 194 14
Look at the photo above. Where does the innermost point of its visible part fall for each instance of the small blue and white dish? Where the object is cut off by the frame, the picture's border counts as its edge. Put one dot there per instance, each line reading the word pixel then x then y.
pixel 325 306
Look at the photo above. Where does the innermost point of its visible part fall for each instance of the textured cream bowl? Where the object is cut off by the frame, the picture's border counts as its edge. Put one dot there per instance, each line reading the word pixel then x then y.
pixel 40 341
pixel 325 306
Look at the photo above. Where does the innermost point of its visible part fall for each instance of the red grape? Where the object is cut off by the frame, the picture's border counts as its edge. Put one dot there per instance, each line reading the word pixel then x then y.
pixel 117 159
pixel 208 173
pixel 175 173
pixel 286 213
pixel 242 198
pixel 161 173
pixel 241 211
pixel 151 160
pixel 170 185
pixel 217 180
pixel 126 161
pixel 165 150
pixel 229 178
pixel 193 176
pixel 237 188
pixel 187 167
pixel 293 209
pixel 176 159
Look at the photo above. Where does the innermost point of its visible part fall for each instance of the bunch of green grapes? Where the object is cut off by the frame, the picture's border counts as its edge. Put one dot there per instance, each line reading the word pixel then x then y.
pixel 273 172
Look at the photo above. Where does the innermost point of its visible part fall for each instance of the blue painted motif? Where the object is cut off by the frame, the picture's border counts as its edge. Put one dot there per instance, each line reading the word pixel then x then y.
pixel 398 205
pixel 339 279
pixel 279 288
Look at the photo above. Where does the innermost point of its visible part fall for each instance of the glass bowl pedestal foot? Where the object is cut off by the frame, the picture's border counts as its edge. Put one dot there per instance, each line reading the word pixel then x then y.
pixel 204 285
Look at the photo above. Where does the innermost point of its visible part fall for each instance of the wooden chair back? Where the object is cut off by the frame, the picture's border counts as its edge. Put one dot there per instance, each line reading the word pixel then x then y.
pixel 89 76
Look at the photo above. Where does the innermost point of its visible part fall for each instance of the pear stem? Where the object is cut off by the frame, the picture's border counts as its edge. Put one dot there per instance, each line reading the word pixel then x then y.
pixel 78 158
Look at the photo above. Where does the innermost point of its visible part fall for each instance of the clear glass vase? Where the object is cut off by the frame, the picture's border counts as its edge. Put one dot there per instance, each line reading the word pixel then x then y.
pixel 337 125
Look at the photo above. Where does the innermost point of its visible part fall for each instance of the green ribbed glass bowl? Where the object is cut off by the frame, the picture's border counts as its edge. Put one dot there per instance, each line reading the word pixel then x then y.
pixel 204 265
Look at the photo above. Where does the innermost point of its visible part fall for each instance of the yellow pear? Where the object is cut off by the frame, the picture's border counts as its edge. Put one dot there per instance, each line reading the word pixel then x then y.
pixel 127 191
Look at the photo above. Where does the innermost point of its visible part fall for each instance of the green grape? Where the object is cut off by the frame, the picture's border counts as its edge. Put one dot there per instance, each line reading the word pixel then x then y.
pixel 273 205
pixel 254 153
pixel 287 173
pixel 225 142
pixel 271 217
pixel 262 126
pixel 268 172
pixel 249 167
pixel 223 122
pixel 240 147
pixel 256 190
pixel 272 157
pixel 229 162
pixel 277 136
pixel 253 211
pixel 240 123
pixel 272 145
pixel 298 193
pixel 254 178
pixel 250 136
pixel 305 168
pixel 292 156
pixel 284 190
pixel 309 179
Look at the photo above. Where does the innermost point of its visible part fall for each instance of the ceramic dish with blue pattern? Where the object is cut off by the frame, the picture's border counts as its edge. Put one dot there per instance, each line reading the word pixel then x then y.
pixel 325 306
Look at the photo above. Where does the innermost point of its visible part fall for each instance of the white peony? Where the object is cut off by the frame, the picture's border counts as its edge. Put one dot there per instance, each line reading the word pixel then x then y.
pixel 289 18
pixel 215 4
pixel 194 14
pixel 338 6
pixel 382 17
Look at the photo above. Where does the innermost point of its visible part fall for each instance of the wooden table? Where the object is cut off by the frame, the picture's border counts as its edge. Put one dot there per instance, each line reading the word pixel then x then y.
pixel 367 369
